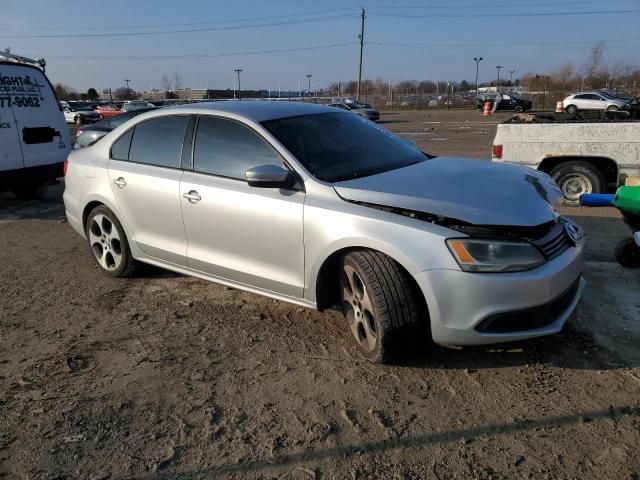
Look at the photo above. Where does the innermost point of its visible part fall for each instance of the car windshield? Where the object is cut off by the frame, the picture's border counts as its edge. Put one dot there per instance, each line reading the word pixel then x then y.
pixel 337 146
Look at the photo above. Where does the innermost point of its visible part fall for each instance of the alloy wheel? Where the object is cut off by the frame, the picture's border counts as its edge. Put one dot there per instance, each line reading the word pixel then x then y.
pixel 358 309
pixel 105 242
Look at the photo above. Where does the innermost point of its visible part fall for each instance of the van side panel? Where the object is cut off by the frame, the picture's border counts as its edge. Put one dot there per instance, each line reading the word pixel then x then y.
pixel 40 126
pixel 10 151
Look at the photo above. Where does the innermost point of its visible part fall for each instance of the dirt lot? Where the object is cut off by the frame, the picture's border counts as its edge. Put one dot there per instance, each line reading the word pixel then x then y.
pixel 164 376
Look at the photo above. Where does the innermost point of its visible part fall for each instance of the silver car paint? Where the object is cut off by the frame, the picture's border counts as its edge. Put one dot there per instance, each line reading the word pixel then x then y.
pixel 275 243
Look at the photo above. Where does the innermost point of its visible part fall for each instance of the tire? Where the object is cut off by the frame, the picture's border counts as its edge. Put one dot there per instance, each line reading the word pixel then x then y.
pixel 613 108
pixel 628 253
pixel 30 191
pixel 575 178
pixel 519 108
pixel 108 243
pixel 78 120
pixel 381 305
pixel 571 109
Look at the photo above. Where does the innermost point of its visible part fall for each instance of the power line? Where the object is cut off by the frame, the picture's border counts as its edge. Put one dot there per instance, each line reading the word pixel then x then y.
pixel 502 44
pixel 494 15
pixel 495 5
pixel 190 30
pixel 200 55
pixel 167 25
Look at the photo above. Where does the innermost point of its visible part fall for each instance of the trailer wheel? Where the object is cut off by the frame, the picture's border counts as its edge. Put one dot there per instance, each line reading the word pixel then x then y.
pixel 576 178
pixel 628 253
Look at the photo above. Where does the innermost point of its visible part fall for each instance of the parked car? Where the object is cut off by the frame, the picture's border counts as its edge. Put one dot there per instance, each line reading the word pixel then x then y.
pixel 582 157
pixel 508 101
pixel 107 110
pixel 310 205
pixel 90 134
pixel 368 113
pixel 136 105
pixel 592 101
pixel 34 138
pixel 79 115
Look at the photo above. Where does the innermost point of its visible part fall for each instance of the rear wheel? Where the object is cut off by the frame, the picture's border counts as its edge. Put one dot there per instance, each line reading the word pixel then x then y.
pixel 380 304
pixel 108 243
pixel 577 178
pixel 628 253
pixel 571 109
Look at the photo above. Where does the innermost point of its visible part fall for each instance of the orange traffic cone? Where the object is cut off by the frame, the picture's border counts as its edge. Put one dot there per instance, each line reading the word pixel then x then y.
pixel 559 107
pixel 486 109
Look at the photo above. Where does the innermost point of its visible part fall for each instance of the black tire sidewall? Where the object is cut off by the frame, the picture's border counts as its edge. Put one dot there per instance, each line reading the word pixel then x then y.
pixel 571 109
pixel 519 108
pixel 126 266
pixel 628 253
pixel 584 168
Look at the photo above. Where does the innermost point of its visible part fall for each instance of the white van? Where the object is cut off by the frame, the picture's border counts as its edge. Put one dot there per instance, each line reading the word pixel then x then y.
pixel 34 138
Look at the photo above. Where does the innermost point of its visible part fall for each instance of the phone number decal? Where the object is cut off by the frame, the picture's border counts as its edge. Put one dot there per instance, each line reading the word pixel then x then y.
pixel 19 102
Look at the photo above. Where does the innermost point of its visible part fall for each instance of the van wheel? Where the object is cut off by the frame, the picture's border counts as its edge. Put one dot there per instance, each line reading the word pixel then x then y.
pixel 108 243
pixel 30 191
pixel 577 178
pixel 380 304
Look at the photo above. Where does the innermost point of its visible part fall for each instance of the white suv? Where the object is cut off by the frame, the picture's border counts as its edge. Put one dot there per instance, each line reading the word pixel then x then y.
pixel 592 101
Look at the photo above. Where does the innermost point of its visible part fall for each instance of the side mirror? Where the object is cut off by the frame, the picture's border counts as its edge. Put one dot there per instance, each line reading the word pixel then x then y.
pixel 270 176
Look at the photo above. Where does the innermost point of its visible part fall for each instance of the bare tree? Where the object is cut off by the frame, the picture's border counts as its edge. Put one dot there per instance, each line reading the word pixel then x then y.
pixel 177 81
pixel 563 75
pixel 166 83
pixel 594 65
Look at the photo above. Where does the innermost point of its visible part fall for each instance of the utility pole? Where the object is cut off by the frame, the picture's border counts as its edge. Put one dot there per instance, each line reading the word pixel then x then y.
pixel 511 72
pixel 477 60
pixel 128 92
pixel 238 70
pixel 498 67
pixel 361 36
pixel 309 78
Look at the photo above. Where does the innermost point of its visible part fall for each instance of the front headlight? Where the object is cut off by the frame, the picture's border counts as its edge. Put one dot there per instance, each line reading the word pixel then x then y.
pixel 477 255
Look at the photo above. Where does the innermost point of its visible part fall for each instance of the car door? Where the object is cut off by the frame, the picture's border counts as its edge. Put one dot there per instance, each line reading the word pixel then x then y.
pixel 145 173
pixel 236 232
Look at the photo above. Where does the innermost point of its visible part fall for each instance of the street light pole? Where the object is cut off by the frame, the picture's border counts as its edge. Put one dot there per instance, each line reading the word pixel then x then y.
pixel 511 72
pixel 498 67
pixel 477 60
pixel 238 70
pixel 309 78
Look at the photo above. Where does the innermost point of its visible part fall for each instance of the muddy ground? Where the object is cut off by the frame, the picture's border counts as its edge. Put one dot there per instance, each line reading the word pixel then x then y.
pixel 165 376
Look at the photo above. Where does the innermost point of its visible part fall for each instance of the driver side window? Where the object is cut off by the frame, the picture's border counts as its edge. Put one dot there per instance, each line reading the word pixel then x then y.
pixel 227 148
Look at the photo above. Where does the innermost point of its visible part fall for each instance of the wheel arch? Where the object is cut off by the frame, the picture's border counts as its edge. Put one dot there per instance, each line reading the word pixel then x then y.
pixel 605 165
pixel 325 278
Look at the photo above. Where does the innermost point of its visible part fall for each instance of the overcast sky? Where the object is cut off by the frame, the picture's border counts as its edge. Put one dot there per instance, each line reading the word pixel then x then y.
pixel 99 43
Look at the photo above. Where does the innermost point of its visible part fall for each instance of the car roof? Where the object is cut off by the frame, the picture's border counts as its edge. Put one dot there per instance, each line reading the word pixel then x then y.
pixel 255 110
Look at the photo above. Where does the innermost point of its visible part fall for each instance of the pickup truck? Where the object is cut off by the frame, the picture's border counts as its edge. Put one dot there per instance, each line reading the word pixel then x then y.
pixel 582 157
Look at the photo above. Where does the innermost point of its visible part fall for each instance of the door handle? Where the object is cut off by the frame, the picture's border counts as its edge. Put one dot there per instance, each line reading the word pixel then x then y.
pixel 120 182
pixel 192 196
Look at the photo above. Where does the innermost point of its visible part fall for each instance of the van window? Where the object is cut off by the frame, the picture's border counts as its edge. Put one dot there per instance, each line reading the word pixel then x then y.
pixel 159 141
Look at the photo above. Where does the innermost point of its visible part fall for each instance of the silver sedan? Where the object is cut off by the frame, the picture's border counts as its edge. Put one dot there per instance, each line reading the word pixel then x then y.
pixel 318 207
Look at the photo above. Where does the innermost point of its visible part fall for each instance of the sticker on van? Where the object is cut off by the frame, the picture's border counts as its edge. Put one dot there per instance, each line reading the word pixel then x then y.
pixel 20 91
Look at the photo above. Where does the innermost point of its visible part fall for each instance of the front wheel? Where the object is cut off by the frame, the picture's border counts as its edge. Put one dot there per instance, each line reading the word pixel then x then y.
pixel 577 178
pixel 380 304
pixel 612 108
pixel 571 109
pixel 519 108
pixel 78 120
pixel 108 243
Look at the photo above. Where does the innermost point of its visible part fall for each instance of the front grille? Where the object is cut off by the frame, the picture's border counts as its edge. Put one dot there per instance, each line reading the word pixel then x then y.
pixel 530 318
pixel 555 242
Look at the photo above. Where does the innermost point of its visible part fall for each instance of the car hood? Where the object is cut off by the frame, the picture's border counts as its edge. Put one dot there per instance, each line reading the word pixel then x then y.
pixel 477 192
